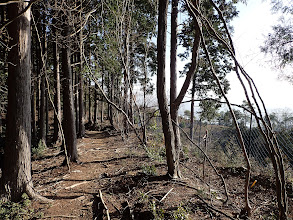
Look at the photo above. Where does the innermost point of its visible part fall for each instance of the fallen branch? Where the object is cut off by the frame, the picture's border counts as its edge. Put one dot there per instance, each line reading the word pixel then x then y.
pixel 101 207
pixel 165 196
pixel 74 185
pixel 60 216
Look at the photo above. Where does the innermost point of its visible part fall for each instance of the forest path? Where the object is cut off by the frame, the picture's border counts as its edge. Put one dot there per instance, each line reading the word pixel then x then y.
pixel 125 174
pixel 102 157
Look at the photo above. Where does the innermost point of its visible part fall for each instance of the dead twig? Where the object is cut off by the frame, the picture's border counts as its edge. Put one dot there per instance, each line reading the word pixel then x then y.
pixel 60 216
pixel 165 196
pixel 206 147
pixel 74 185
pixel 103 205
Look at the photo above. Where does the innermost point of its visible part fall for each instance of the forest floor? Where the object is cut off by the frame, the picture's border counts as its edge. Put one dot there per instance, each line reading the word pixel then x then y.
pixel 130 179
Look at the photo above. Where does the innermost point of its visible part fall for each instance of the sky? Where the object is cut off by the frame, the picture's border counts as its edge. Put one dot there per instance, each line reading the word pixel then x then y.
pixel 250 28
pixel 253 23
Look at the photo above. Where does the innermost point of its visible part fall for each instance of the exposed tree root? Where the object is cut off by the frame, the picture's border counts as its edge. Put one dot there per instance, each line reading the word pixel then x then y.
pixel 35 195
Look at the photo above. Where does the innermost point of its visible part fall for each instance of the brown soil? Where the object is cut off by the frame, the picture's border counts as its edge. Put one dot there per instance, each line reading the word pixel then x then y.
pixel 126 176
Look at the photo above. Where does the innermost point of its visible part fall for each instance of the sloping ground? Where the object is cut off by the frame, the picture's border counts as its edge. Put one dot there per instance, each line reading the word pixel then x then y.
pixel 126 176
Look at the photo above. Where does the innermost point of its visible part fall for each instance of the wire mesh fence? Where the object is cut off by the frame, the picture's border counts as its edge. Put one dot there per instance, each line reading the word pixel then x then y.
pixel 223 141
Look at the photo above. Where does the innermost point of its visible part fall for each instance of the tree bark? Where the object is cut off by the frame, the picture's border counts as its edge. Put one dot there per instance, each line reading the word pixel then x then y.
pixel 1 124
pixel 34 109
pixel 42 121
pixel 161 90
pixel 16 170
pixel 75 85
pixel 192 109
pixel 42 72
pixel 68 102
pixel 110 108
pixel 102 102
pixel 47 112
pixel 81 92
pixel 85 98
pixel 172 141
pixel 90 122
pixel 57 98
pixel 38 83
pixel 131 116
pixel 96 107
pixel 125 101
pixel 144 134
pixel 173 78
pixel 81 107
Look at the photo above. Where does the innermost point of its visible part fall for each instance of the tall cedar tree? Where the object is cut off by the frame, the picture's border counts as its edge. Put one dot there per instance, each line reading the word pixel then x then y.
pixel 68 102
pixel 171 135
pixel 161 90
pixel 16 170
pixel 57 97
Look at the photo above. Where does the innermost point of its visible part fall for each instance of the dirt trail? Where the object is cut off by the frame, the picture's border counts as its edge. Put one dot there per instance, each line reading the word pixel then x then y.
pixel 126 175
pixel 103 157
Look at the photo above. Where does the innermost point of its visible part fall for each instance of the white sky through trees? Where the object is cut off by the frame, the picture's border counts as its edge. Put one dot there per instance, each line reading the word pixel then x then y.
pixel 250 28
pixel 254 22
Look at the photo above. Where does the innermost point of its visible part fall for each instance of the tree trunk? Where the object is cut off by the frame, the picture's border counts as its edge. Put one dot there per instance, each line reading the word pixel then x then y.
pixel 125 99
pixel 102 102
pixel 38 100
pixel 68 102
pixel 144 134
pixel 173 78
pixel 16 176
pixel 3 54
pixel 42 72
pixel 34 88
pixel 81 108
pixel 192 110
pixel 34 109
pixel 85 98
pixel 109 85
pixel 57 98
pixel 90 105
pixel 131 100
pixel 80 98
pixel 75 80
pixel 1 124
pixel 161 90
pixel 171 140
pixel 42 122
pixel 111 113
pixel 47 113
pixel 96 106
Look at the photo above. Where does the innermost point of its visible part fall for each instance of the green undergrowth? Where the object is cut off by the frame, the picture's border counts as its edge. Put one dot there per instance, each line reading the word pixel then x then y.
pixel 149 170
pixel 38 151
pixel 18 210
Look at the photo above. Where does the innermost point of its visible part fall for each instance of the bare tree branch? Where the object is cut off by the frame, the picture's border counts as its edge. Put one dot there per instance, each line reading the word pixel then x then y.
pixel 239 134
pixel 26 8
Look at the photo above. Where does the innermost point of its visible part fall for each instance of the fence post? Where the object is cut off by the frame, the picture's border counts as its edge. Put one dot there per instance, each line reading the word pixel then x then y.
pixel 206 148
pixel 249 145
